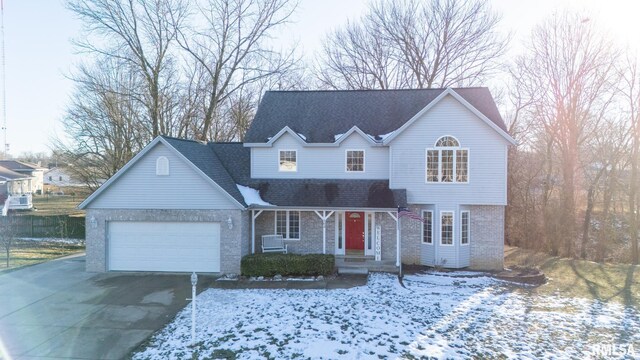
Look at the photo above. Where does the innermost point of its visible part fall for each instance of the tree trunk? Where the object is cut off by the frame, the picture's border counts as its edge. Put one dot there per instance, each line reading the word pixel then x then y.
pixel 633 193
pixel 587 223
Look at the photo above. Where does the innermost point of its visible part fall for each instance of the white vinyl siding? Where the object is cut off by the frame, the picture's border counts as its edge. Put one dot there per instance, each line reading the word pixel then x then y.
pixel 320 162
pixel 486 154
pixel 184 188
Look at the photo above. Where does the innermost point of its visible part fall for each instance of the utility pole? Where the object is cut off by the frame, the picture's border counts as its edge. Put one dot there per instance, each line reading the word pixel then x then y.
pixel 5 149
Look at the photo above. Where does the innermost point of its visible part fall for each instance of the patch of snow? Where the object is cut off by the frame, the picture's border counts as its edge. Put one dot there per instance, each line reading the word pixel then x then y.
pixel 434 316
pixel 383 137
pixel 54 240
pixel 251 196
pixel 336 137
pixel 302 136
pixel 372 137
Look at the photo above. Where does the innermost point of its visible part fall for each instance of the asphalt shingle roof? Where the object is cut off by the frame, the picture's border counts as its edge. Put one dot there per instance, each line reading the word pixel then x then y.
pixel 376 112
pixel 6 174
pixel 18 165
pixel 203 157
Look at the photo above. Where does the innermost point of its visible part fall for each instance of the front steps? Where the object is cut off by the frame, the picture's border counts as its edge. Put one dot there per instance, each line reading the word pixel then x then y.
pixel 358 264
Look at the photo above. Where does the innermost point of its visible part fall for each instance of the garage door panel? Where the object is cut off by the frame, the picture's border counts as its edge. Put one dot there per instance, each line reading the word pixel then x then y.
pixel 164 246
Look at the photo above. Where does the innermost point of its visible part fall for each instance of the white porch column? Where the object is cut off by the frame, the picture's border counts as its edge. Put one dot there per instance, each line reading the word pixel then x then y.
pixel 324 218
pixel 395 217
pixel 253 229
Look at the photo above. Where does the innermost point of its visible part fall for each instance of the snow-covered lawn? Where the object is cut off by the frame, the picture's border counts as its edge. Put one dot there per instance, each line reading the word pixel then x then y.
pixel 437 315
pixel 53 240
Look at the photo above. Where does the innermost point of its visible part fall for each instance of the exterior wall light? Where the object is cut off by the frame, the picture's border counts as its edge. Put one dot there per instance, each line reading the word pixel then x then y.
pixel 230 223
pixel 93 223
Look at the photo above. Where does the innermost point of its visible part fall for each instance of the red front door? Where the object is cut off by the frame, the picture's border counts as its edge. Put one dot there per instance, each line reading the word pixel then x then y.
pixel 354 231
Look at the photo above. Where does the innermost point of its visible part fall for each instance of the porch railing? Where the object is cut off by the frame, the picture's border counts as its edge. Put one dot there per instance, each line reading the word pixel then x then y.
pixel 20 202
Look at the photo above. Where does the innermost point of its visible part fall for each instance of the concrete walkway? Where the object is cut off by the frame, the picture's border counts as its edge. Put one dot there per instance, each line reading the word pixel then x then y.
pixel 56 310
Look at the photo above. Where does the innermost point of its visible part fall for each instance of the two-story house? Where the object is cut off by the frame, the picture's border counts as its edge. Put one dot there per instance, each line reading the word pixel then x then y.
pixel 326 171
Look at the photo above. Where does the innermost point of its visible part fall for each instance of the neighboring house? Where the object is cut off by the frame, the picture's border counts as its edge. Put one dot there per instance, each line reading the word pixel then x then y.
pixel 327 171
pixel 13 194
pixel 35 172
pixel 59 177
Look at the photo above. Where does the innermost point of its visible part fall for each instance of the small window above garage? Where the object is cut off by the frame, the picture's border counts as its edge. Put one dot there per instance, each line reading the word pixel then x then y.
pixel 162 166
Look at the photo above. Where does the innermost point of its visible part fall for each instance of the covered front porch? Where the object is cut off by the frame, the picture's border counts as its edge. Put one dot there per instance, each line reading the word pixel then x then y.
pixel 360 238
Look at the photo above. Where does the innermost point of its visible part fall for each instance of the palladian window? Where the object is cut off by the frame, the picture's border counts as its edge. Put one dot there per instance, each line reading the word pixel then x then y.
pixel 447 162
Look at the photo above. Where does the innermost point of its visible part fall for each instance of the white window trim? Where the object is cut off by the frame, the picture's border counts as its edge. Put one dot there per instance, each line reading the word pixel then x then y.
pixel 275 224
pixel 423 224
pixel 160 169
pixel 340 250
pixel 455 160
pixel 369 224
pixel 364 161
pixel 453 227
pixel 278 162
pixel 468 227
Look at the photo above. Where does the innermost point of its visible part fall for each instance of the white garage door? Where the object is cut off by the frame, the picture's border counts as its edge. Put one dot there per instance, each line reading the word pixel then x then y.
pixel 164 246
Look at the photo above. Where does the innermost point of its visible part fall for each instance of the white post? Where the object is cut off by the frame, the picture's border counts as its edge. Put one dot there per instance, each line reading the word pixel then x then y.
pixel 254 216
pixel 324 232
pixel 253 232
pixel 194 281
pixel 324 218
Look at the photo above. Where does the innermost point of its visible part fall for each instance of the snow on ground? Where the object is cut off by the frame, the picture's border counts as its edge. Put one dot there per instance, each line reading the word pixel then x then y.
pixel 437 315
pixel 53 240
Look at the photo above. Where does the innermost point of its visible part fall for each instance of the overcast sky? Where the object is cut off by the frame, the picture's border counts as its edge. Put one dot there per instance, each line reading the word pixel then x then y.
pixel 39 54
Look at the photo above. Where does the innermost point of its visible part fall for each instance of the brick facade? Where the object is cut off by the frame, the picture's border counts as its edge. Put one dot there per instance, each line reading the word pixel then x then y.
pixel 487 237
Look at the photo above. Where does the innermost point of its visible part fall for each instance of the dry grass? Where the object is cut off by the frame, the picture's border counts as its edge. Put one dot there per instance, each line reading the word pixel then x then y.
pixel 60 204
pixel 580 278
pixel 25 252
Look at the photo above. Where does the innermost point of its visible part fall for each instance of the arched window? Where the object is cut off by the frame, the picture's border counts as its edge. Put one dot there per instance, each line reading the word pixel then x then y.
pixel 447 141
pixel 162 166
pixel 447 162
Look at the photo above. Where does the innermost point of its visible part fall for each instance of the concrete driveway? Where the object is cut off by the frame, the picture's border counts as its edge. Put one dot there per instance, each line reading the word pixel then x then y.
pixel 56 310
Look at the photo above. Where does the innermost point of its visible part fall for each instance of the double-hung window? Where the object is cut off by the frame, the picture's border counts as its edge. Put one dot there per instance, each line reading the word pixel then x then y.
pixel 288 224
pixel 427 227
pixel 464 227
pixel 288 160
pixel 446 228
pixel 447 162
pixel 355 160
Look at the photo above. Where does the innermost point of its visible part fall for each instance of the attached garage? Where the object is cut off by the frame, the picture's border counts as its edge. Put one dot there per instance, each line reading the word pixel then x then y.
pixel 163 246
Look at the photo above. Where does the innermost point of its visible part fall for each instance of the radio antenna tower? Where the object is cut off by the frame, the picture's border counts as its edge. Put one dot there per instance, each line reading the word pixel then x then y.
pixel 5 149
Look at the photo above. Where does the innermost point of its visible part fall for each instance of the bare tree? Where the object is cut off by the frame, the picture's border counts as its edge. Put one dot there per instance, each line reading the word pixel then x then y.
pixel 166 67
pixel 630 90
pixel 229 53
pixel 103 126
pixel 567 75
pixel 603 154
pixel 141 35
pixel 7 236
pixel 418 44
